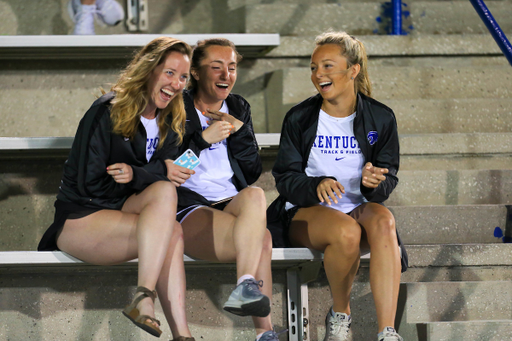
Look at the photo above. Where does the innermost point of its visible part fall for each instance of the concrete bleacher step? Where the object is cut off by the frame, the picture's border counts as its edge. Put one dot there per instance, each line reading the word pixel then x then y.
pixel 459 301
pixel 74 304
pixel 453 115
pixel 453 187
pixel 450 224
pixel 471 330
pixel 451 310
pixel 460 255
pixel 426 17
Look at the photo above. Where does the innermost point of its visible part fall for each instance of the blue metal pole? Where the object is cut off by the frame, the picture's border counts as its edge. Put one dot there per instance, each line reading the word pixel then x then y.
pixel 494 28
pixel 396 17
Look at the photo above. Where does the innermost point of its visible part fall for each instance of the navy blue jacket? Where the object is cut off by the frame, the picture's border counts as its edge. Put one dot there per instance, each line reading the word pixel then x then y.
pixel 375 130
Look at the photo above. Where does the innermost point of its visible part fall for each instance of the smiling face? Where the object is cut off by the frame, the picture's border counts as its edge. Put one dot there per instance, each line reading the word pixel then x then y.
pixel 167 80
pixel 216 74
pixel 330 73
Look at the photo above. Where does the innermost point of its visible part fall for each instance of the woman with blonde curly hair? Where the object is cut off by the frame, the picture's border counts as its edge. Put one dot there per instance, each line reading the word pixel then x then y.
pixel 115 202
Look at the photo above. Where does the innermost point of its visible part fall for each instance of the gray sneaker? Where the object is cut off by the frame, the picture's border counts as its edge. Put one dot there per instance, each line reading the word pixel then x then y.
pixel 247 300
pixel 337 327
pixel 389 334
pixel 270 335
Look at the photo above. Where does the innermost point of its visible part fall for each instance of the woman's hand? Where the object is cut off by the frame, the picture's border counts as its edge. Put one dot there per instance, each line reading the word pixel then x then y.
pixel 121 172
pixel 177 174
pixel 217 131
pixel 328 189
pixel 222 116
pixel 373 176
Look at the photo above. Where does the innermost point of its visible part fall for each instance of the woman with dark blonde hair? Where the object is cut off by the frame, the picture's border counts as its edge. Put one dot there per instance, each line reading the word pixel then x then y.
pixel 115 202
pixel 337 162
pixel 223 217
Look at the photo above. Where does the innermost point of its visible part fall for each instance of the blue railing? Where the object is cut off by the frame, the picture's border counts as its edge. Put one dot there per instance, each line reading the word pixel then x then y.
pixel 493 28
pixel 396 17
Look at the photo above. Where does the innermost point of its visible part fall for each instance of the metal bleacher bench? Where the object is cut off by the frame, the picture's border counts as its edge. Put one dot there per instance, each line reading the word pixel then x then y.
pixel 118 45
pixel 43 146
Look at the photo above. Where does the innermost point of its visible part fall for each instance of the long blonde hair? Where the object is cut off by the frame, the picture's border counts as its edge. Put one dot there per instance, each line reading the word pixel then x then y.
pixel 352 49
pixel 131 91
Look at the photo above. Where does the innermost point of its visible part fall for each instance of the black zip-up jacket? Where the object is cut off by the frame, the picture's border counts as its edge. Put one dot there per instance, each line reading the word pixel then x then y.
pixel 375 130
pixel 85 180
pixel 242 147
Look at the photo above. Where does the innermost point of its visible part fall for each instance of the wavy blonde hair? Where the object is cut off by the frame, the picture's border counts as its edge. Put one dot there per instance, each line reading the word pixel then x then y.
pixel 352 49
pixel 132 94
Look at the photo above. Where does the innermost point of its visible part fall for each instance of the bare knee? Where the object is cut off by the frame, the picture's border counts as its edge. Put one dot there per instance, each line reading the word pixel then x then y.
pixel 255 196
pixel 162 192
pixel 382 227
pixel 346 236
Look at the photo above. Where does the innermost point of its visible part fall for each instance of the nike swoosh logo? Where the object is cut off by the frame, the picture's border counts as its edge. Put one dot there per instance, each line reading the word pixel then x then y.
pixel 341 158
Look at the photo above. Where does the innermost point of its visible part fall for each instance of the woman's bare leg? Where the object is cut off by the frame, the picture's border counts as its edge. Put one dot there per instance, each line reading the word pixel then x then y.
pixel 171 285
pixel 380 233
pixel 338 236
pixel 238 234
pixel 142 229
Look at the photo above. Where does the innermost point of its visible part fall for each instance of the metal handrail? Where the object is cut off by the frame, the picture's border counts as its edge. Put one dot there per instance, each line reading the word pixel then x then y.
pixel 494 28
pixel 396 17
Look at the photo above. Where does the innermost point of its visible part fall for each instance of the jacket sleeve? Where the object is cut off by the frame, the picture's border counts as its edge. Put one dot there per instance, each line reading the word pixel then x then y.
pixel 291 179
pixel 244 148
pixel 95 157
pixel 386 155
pixel 94 181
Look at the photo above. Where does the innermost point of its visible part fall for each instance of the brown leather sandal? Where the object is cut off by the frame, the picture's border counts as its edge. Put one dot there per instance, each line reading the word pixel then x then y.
pixel 184 338
pixel 141 321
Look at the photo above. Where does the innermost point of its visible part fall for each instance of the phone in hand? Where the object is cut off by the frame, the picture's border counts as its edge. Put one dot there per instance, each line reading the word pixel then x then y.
pixel 188 160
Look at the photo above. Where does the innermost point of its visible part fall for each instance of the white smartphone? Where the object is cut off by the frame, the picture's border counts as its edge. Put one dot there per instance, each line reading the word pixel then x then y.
pixel 188 160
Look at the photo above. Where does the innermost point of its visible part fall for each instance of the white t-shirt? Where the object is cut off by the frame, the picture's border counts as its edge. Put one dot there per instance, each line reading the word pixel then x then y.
pixel 213 177
pixel 336 152
pixel 152 134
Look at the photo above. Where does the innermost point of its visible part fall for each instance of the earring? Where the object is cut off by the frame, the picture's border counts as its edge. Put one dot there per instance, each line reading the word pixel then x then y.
pixel 352 78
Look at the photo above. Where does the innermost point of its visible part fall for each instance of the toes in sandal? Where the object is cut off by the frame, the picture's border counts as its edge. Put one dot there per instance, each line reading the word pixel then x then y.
pixel 141 321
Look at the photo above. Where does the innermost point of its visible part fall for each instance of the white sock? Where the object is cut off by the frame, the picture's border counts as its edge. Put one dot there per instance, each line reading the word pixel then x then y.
pixel 259 336
pixel 243 278
pixel 333 313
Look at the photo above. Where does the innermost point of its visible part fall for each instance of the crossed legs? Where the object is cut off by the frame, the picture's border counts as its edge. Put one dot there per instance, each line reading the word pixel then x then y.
pixel 340 237
pixel 238 233
pixel 144 228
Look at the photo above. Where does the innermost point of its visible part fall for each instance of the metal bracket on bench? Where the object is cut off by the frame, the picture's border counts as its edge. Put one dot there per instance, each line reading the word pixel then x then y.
pixel 137 19
pixel 298 306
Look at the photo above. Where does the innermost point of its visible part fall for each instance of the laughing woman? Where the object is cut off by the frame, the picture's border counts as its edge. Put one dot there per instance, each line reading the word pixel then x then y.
pixel 115 202
pixel 337 162
pixel 223 218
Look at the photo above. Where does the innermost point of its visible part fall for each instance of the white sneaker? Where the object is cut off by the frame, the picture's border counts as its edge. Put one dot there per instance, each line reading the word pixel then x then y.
pixel 82 16
pixel 337 327
pixel 110 12
pixel 389 334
